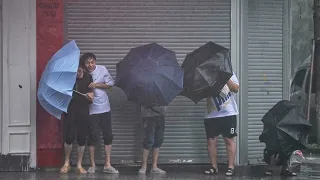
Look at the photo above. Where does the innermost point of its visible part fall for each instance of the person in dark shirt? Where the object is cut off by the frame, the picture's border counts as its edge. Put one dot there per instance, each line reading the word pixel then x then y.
pixel 75 122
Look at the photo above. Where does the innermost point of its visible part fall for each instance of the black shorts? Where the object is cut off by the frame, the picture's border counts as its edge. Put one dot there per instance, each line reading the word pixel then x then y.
pixel 76 125
pixel 100 123
pixel 226 126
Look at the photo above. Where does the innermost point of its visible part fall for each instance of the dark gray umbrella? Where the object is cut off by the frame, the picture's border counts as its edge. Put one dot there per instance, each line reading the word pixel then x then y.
pixel 206 71
pixel 285 128
pixel 150 75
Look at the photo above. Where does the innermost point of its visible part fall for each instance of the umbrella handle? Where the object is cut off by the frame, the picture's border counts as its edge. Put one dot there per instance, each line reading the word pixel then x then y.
pixel 79 93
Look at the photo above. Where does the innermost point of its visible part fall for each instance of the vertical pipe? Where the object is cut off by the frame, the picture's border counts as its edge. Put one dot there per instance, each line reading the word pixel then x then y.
pixel 310 80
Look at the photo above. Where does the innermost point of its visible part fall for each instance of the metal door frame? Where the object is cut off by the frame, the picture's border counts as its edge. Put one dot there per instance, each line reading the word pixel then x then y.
pixel 239 54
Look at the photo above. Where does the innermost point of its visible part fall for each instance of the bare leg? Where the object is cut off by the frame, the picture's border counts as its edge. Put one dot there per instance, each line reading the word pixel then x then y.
pixel 91 155
pixel 67 152
pixel 231 151
pixel 80 156
pixel 107 150
pixel 212 151
pixel 155 156
pixel 145 155
pixel 272 163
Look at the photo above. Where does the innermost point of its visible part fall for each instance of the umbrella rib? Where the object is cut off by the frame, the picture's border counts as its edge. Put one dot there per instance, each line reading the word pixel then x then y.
pixel 52 113
pixel 168 52
pixel 72 54
pixel 62 92
pixel 203 77
pixel 287 134
pixel 51 104
pixel 169 79
pixel 126 73
pixel 160 90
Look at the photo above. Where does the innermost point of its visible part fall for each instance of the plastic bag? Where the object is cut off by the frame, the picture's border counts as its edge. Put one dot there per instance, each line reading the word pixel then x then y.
pixel 295 159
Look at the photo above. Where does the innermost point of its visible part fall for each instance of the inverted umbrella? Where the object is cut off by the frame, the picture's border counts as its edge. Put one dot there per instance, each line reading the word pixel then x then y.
pixel 57 81
pixel 285 128
pixel 150 75
pixel 206 71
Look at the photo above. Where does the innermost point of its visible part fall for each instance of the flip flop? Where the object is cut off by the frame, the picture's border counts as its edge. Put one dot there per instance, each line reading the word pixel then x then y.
pixel 65 169
pixel 211 171
pixel 268 173
pixel 81 171
pixel 230 172
pixel 288 173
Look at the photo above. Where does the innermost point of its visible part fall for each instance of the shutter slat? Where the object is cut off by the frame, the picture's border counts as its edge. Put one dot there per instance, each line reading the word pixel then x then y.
pixel 264 67
pixel 111 28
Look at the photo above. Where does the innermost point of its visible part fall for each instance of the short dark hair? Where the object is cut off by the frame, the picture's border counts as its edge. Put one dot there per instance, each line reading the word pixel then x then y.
pixel 85 57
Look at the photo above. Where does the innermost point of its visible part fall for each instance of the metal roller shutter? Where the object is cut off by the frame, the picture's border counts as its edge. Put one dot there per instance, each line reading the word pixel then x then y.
pixel 265 42
pixel 110 28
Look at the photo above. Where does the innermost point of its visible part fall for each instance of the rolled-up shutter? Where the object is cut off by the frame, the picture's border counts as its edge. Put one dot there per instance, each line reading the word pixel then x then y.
pixel 110 28
pixel 265 44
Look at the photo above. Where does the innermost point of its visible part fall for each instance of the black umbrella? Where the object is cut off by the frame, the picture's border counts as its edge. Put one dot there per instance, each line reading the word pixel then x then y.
pixel 150 75
pixel 206 70
pixel 285 128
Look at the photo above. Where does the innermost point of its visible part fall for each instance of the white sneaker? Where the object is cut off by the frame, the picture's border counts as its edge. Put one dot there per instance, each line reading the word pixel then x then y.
pixel 158 171
pixel 91 170
pixel 110 170
pixel 142 171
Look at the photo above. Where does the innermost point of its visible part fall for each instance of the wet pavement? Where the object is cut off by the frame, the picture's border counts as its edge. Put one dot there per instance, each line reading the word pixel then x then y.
pixel 307 173
pixel 169 176
pixel 309 170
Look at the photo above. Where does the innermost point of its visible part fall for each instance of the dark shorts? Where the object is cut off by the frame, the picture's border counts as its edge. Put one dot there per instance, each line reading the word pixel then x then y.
pixel 226 126
pixel 76 126
pixel 100 123
pixel 153 131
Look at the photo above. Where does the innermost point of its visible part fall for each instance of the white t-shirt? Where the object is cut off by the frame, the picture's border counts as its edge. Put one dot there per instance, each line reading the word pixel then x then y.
pixel 101 101
pixel 222 107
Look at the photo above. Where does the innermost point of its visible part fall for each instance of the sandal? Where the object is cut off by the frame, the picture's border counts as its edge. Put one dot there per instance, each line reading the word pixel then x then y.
pixel 268 173
pixel 288 173
pixel 92 170
pixel 211 171
pixel 81 171
pixel 230 172
pixel 65 169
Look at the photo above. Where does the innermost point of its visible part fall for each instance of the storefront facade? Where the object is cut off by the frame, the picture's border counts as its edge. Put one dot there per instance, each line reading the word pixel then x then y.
pixel 254 30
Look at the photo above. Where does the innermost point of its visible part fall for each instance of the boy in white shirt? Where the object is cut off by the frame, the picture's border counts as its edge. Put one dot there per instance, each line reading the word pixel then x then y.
pixel 100 116
pixel 220 118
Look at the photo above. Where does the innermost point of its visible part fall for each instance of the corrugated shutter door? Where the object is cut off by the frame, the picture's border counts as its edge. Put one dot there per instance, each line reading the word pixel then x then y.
pixel 110 28
pixel 264 67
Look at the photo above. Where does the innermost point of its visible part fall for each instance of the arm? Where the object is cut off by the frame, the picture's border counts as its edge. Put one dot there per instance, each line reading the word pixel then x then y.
pixel 233 84
pixel 107 81
pixel 102 86
pixel 90 95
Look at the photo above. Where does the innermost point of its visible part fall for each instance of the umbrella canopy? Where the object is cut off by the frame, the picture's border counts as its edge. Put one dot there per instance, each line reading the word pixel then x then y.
pixel 206 71
pixel 57 81
pixel 285 128
pixel 150 75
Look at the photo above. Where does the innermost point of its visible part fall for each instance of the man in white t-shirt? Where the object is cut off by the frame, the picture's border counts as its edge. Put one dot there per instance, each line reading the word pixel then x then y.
pixel 220 118
pixel 100 116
